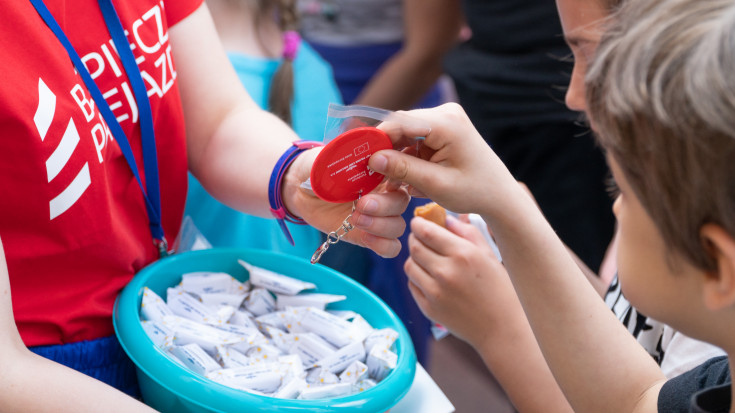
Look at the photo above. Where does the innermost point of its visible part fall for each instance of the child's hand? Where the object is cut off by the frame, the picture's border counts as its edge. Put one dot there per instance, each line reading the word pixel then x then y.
pixel 454 166
pixel 458 282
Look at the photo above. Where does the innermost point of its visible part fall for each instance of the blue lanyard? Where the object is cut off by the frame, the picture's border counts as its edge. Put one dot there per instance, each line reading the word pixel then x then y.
pixel 150 159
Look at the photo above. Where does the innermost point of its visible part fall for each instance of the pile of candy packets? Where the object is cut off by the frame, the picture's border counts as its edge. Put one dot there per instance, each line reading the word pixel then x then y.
pixel 267 336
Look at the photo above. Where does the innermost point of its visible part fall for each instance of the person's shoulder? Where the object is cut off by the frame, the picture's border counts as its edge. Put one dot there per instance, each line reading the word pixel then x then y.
pixel 676 394
pixel 180 9
pixel 681 353
pixel 712 372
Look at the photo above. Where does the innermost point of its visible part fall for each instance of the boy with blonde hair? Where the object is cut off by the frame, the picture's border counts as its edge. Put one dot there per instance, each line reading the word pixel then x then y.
pixel 661 98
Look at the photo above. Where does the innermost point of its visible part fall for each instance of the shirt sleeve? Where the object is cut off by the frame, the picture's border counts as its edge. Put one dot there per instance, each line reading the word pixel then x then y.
pixel 177 10
pixel 675 395
pixel 682 353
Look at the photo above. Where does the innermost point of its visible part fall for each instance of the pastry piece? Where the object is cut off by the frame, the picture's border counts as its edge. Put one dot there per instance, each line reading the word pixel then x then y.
pixel 433 212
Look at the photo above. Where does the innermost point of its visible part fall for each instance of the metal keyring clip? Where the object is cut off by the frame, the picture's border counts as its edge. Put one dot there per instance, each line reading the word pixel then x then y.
pixel 336 235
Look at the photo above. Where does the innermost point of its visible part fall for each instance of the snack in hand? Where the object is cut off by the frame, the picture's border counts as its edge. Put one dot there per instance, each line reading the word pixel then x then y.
pixel 433 212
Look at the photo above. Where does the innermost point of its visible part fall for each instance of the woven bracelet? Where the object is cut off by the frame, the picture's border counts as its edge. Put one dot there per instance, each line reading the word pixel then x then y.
pixel 278 209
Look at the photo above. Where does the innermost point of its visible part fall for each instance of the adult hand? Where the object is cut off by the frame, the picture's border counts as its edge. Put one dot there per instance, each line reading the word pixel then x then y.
pixel 377 217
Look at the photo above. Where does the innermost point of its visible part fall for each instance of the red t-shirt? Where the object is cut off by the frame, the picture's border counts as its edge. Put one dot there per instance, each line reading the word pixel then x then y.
pixel 72 218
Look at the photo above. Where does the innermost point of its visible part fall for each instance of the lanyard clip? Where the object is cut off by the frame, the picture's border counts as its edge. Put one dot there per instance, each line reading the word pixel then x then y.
pixel 162 246
pixel 319 252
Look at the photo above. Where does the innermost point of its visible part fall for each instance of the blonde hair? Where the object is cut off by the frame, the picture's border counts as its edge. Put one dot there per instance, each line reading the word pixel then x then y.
pixel 661 97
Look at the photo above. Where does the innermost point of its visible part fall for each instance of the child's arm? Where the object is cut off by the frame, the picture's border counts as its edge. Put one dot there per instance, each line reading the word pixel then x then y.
pixel 585 346
pixel 598 283
pixel 458 282
pixel 597 363
pixel 30 383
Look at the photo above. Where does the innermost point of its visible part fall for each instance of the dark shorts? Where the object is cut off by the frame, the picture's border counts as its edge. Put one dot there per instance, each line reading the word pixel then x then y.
pixel 102 359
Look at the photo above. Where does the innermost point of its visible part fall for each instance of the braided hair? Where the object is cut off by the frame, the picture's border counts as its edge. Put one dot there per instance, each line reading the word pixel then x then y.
pixel 281 92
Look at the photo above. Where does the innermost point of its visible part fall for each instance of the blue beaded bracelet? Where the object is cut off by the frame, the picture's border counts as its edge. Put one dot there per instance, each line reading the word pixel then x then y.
pixel 274 186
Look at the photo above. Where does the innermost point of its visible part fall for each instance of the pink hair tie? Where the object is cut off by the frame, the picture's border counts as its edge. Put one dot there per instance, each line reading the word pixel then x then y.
pixel 291 40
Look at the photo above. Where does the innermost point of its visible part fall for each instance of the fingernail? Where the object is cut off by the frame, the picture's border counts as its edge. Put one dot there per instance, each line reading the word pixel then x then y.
pixel 364 221
pixel 370 207
pixel 378 163
pixel 450 221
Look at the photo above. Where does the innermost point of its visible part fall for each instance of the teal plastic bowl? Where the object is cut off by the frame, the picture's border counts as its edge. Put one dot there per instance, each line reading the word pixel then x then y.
pixel 169 387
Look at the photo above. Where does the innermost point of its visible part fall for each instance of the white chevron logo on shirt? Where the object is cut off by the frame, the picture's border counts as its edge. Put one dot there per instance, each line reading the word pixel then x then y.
pixel 61 155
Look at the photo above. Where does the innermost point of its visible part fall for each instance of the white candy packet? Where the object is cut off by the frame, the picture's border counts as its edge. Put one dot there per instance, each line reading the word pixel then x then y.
pixel 279 338
pixel 383 339
pixel 310 347
pixel 335 330
pixel 292 318
pixel 339 360
pixel 251 337
pixel 321 376
pixel 363 385
pixel 220 299
pixel 229 358
pixel 205 282
pixel 195 359
pixel 160 334
pixel 260 301
pixel 360 329
pixel 355 372
pixel 261 377
pixel 243 318
pixel 343 314
pixel 291 388
pixel 264 353
pixel 291 366
pixel 380 362
pixel 184 305
pixel 207 337
pixel 222 314
pixel 276 319
pixel 316 300
pixel 329 391
pixel 152 306
pixel 277 283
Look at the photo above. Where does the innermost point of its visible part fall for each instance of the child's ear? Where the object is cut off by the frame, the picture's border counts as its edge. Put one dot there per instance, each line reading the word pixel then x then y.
pixel 719 284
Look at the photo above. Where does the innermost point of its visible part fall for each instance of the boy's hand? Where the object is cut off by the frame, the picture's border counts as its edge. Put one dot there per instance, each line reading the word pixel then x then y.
pixel 457 281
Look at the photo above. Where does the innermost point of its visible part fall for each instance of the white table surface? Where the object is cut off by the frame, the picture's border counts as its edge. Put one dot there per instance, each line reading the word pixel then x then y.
pixel 424 396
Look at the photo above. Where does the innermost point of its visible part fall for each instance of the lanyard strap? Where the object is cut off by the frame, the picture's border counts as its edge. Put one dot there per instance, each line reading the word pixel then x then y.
pixel 150 159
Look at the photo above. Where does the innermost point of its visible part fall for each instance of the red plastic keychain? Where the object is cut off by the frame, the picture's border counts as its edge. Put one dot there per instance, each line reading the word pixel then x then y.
pixel 340 173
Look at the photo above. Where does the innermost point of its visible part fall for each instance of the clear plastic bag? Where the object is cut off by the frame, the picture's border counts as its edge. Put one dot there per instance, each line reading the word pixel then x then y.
pixel 342 118
pixel 190 238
